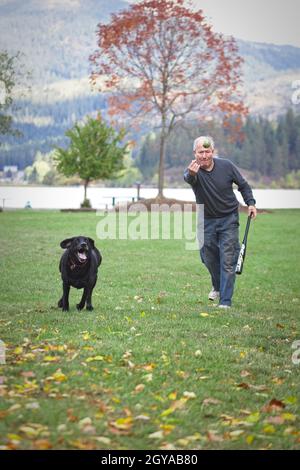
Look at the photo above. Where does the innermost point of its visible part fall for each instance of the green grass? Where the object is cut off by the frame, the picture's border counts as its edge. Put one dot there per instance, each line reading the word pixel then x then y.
pixel 145 370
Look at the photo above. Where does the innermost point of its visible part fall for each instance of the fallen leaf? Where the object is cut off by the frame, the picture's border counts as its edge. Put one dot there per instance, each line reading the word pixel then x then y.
pixel 245 373
pixel 18 350
pixel 156 435
pixel 212 436
pixel 167 412
pixel 84 422
pixel 269 429
pixel 211 401
pixel 243 385
pixel 83 445
pixel 58 376
pixel 103 440
pixel 42 444
pixel 290 400
pixel 189 395
pixel 275 420
pixel 253 418
pixel 273 405
pixel 28 374
pixel 236 433
pixel 51 359
pixel 94 358
pixel 288 417
pixel 249 439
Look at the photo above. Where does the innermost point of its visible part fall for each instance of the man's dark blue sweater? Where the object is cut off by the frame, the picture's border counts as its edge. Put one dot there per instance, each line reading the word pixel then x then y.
pixel 214 188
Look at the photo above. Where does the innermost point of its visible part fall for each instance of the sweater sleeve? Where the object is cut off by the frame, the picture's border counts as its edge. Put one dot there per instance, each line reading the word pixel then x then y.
pixel 243 187
pixel 188 178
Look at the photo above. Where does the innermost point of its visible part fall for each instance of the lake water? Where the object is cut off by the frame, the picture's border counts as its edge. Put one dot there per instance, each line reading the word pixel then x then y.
pixel 43 197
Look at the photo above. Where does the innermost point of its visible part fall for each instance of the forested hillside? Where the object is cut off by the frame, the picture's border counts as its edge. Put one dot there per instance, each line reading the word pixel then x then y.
pixel 269 150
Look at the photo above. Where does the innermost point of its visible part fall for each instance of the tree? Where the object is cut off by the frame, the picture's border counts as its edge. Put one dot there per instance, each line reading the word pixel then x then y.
pixel 7 84
pixel 160 60
pixel 94 152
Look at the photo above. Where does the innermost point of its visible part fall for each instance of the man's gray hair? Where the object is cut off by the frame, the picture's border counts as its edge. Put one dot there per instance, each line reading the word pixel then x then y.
pixel 204 139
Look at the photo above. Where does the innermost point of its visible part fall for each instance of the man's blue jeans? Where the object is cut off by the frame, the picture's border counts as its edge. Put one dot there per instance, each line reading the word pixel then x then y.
pixel 220 253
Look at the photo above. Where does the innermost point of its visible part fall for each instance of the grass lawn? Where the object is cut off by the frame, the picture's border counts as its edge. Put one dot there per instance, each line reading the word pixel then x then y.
pixel 155 365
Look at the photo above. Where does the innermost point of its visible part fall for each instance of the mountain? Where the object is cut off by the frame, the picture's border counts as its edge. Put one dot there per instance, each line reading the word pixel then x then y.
pixel 56 38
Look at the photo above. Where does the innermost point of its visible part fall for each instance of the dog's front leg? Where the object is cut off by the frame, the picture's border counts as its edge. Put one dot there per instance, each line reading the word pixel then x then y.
pixel 65 297
pixel 89 299
pixel 81 304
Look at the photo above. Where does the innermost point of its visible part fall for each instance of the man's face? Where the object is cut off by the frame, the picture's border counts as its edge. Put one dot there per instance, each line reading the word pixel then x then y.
pixel 204 155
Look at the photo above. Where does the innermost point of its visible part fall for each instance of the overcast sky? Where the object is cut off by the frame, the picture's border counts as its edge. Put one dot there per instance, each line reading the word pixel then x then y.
pixel 272 21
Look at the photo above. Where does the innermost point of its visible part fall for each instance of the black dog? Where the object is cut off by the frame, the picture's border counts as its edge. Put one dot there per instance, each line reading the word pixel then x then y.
pixel 78 266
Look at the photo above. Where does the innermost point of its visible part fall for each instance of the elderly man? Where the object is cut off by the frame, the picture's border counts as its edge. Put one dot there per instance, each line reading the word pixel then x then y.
pixel 211 179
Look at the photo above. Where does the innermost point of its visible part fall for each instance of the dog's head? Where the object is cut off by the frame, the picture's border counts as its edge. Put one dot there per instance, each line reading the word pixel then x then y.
pixel 79 247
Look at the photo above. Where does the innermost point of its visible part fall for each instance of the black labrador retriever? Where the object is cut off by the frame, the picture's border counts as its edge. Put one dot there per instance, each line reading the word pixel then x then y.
pixel 78 266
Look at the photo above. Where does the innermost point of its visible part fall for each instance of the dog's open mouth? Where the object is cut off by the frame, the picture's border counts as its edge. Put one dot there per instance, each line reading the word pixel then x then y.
pixel 81 255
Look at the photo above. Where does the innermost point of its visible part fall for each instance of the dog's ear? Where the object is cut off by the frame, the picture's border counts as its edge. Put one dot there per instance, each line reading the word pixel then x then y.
pixel 66 243
pixel 91 242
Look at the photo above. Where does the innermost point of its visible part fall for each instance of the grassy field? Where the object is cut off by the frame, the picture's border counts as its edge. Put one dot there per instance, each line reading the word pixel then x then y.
pixel 155 365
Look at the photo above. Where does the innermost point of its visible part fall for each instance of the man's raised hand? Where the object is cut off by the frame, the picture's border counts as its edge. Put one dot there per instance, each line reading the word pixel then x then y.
pixel 193 168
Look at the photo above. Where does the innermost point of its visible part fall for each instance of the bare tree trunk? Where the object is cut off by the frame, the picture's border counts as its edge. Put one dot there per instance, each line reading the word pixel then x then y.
pixel 86 182
pixel 162 151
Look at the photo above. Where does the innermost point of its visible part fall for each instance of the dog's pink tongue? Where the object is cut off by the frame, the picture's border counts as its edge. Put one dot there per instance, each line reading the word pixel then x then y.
pixel 82 256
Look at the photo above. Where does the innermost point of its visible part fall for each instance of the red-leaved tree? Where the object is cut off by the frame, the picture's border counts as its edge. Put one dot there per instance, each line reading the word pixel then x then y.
pixel 160 60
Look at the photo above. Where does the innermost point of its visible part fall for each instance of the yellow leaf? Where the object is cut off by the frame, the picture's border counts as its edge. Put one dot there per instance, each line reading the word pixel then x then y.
pixel 253 418
pixel 250 439
pixel 204 314
pixel 116 400
pixel 167 412
pixel 167 428
pixel 172 396
pixel 14 437
pixel 86 336
pixel 270 429
pixel 95 358
pixel 288 417
pixel 51 359
pixel 123 423
pixel 290 400
pixel 243 354
pixel 58 376
pixel 18 350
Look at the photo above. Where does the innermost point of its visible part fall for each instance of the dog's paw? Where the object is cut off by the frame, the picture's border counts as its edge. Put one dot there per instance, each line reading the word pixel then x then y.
pixel 60 303
pixel 89 307
pixel 79 306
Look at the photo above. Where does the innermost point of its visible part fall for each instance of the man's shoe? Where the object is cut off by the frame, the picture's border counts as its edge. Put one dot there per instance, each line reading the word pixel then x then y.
pixel 224 306
pixel 214 294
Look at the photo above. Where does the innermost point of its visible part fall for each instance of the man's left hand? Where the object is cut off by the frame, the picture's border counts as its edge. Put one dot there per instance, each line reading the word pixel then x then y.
pixel 252 211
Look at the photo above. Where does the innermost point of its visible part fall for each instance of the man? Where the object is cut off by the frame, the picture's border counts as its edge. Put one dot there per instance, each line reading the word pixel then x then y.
pixel 211 179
